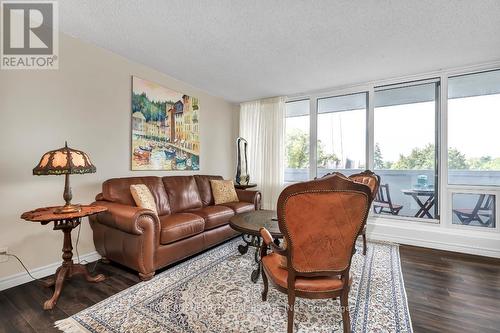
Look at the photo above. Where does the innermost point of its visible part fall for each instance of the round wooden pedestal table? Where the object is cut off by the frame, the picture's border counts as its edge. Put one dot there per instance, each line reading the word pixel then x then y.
pixel 249 225
pixel 66 223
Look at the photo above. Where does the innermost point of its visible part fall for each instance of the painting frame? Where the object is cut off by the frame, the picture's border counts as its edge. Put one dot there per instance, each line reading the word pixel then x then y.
pixel 164 131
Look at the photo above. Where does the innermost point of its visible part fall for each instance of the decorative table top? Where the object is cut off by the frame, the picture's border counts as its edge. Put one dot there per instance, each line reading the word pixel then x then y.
pixel 48 214
pixel 244 186
pixel 250 222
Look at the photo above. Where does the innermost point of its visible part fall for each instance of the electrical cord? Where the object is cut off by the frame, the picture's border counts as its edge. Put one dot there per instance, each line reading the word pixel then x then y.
pixel 40 280
pixel 77 240
pixel 22 264
pixel 77 256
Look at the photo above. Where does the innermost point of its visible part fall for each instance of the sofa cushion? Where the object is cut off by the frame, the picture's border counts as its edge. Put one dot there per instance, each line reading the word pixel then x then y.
pixel 182 193
pixel 118 190
pixel 179 226
pixel 205 188
pixel 271 265
pixel 214 216
pixel 143 197
pixel 239 207
pixel 223 191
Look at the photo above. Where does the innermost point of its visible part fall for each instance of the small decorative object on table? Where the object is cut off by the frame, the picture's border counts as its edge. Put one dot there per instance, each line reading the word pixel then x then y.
pixel 421 181
pixel 65 161
pixel 242 176
pixel 65 222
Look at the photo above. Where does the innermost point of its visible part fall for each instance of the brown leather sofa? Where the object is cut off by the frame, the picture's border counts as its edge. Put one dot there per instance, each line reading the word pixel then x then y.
pixel 188 221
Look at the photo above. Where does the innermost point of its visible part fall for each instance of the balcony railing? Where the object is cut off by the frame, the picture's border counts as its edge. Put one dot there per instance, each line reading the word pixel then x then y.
pixel 402 180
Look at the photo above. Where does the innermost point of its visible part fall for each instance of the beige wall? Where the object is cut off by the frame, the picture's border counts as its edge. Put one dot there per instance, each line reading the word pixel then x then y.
pixel 87 102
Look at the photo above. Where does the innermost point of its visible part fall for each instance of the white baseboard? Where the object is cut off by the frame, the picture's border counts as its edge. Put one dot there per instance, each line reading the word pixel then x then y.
pixel 40 272
pixel 436 237
pixel 435 245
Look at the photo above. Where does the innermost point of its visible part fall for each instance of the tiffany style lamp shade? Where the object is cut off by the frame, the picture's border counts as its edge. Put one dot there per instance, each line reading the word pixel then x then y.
pixel 65 161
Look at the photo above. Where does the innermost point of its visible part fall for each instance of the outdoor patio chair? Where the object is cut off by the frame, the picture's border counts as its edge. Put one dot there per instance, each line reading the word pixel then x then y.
pixel 383 202
pixel 483 212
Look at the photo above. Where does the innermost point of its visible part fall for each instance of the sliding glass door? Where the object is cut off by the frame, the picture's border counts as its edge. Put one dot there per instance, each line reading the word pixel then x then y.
pixel 405 149
pixel 341 141
pixel 297 141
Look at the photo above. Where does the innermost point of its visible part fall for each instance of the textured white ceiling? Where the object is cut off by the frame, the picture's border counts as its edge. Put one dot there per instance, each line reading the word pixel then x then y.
pixel 243 50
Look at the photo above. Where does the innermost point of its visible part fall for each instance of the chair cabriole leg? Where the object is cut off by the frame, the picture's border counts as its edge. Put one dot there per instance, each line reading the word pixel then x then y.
pixel 364 244
pixel 344 303
pixel 266 285
pixel 146 277
pixel 291 305
pixel 105 260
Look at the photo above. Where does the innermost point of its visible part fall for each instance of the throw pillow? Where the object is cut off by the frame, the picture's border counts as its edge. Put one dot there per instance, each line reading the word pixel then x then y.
pixel 143 197
pixel 223 191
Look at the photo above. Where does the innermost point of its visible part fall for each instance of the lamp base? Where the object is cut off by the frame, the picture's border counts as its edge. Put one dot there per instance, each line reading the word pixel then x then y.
pixel 66 209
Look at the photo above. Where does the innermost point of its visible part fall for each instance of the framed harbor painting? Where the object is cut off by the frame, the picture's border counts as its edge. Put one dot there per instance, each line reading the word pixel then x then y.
pixel 165 128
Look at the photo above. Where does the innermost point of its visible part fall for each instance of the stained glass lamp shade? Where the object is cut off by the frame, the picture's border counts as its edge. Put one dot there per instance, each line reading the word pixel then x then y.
pixel 65 161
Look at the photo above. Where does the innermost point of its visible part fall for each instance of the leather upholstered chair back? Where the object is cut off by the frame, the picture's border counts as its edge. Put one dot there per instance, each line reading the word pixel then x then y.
pixel 368 178
pixel 321 220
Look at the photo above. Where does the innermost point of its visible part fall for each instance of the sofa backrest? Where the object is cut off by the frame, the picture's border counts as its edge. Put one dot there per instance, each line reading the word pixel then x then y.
pixel 118 190
pixel 182 193
pixel 205 188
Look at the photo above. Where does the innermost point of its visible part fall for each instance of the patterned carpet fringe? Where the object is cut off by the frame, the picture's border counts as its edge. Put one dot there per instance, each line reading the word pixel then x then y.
pixel 68 325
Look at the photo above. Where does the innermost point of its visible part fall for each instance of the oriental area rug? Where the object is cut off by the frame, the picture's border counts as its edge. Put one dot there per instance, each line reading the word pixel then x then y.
pixel 213 293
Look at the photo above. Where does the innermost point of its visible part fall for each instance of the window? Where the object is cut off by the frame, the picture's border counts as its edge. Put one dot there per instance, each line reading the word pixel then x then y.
pixel 297 141
pixel 473 129
pixel 405 151
pixel 401 133
pixel 341 144
pixel 474 209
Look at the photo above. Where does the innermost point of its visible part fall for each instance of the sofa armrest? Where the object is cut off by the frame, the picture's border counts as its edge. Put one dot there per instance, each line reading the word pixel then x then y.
pixel 129 219
pixel 250 196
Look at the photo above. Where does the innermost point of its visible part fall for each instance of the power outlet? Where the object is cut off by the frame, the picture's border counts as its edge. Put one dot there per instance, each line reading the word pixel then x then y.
pixel 3 254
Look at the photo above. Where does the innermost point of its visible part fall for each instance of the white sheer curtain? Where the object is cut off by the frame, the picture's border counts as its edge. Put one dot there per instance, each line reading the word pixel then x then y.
pixel 262 125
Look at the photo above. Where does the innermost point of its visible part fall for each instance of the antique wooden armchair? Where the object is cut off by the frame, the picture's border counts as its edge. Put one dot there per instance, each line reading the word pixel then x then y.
pixel 370 179
pixel 373 182
pixel 320 221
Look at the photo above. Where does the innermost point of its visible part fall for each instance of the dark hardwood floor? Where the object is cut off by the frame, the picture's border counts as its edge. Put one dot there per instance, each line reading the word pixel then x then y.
pixel 451 292
pixel 447 292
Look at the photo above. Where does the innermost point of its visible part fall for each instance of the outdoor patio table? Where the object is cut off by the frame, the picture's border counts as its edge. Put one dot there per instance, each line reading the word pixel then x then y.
pixel 426 206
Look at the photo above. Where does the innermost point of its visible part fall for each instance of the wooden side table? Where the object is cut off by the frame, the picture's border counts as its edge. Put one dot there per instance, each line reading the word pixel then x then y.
pixel 244 186
pixel 66 223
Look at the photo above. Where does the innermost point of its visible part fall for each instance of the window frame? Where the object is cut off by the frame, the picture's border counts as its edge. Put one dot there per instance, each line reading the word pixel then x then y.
pixel 316 128
pixel 445 190
pixel 472 190
pixel 437 144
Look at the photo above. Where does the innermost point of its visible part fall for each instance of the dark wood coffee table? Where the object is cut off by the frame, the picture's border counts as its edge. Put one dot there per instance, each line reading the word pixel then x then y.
pixel 249 225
